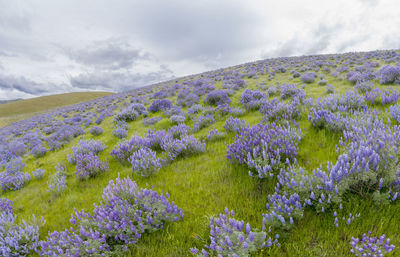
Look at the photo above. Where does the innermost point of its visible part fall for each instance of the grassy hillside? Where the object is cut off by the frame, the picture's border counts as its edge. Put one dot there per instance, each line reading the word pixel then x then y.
pixel 23 109
pixel 204 184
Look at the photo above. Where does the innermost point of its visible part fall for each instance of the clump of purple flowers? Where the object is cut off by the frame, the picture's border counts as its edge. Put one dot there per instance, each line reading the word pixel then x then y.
pixel 6 205
pixel 125 213
pixel 235 125
pixel 324 118
pixel 290 90
pixel 389 96
pixel 145 162
pixel 174 110
pixel 364 86
pixel 194 109
pixel 177 119
pixel 151 121
pixel 183 147
pixel 95 131
pixel 371 246
pixel 13 178
pixel 389 74
pixel 160 105
pixel 276 110
pixel 308 77
pixel 252 100
pixel 18 239
pixel 38 173
pixel 265 148
pixel 121 130
pixel 84 147
pixel 178 131
pixel 188 100
pixel 203 121
pixel 125 149
pixel 230 237
pixel 89 165
pixel 330 89
pixel 57 182
pixel 38 151
pixel 395 112
pixel 127 114
pixel 217 97
pixel 155 138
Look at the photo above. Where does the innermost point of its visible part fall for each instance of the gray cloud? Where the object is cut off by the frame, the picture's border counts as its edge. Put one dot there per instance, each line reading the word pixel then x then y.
pixel 14 17
pixel 117 81
pixel 22 84
pixel 196 30
pixel 321 37
pixel 318 40
pixel 109 54
pixel 52 46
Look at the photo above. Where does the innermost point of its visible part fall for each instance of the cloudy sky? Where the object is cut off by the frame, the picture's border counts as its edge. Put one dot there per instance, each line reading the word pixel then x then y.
pixel 49 46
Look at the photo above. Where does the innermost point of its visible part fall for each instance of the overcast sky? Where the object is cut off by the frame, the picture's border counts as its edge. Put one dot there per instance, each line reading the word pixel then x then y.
pixel 60 46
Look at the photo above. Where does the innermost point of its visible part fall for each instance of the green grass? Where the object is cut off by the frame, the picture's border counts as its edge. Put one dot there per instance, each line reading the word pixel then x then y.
pixel 203 185
pixel 22 109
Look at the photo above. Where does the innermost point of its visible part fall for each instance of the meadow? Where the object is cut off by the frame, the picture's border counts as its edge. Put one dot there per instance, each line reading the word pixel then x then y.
pixel 289 156
pixel 14 111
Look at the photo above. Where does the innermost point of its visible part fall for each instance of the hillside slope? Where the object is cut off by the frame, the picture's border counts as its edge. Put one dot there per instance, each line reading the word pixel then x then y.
pixel 22 109
pixel 303 150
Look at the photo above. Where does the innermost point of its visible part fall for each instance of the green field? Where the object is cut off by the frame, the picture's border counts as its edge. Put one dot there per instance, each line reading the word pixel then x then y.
pixel 22 109
pixel 203 185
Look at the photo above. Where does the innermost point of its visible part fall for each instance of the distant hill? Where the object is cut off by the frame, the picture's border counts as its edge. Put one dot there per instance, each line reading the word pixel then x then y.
pixel 9 101
pixel 14 111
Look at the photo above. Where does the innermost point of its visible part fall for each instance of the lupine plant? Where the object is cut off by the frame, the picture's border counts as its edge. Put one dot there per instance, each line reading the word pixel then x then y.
pixel 85 147
pixel 89 165
pixel 371 246
pixel 57 182
pixel 203 122
pixel 145 162
pixel 13 178
pixel 6 205
pixel 217 97
pixel 151 121
pixel 160 104
pixel 389 74
pixel 252 100
pixel 308 77
pixel 177 119
pixel 232 238
pixel 18 239
pixel 95 131
pixel 265 148
pixel 38 173
pixel 125 213
pixel 235 125
pixel 125 149
pixel 38 151
pixel 183 147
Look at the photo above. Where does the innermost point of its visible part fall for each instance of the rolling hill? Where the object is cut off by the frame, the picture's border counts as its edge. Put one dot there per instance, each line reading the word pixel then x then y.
pixel 22 109
pixel 293 156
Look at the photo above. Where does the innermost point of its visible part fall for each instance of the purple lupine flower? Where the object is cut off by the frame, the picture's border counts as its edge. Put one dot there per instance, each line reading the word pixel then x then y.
pixel 228 239
pixel 125 213
pixel 217 97
pixel 371 246
pixel 145 162
pixel 160 105
pixel 89 165
pixel 95 131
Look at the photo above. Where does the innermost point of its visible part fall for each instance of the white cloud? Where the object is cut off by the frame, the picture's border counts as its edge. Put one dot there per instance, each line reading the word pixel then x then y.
pixel 72 45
